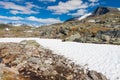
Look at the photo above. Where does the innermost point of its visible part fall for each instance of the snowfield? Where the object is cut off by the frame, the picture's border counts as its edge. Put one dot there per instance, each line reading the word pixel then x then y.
pixel 84 16
pixel 99 57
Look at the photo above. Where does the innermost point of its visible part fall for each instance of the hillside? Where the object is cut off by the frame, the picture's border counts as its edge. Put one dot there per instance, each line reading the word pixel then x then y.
pixel 98 29
pixel 103 26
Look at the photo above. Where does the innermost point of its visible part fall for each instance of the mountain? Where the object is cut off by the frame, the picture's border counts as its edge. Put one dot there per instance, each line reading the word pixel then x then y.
pixel 19 24
pixel 103 10
pixel 15 24
pixel 98 11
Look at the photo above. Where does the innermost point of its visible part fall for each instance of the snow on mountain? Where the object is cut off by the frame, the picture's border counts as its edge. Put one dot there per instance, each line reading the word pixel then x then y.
pixel 22 24
pixel 118 9
pixel 7 29
pixel 99 11
pixel 84 16
pixel 15 24
pixel 99 57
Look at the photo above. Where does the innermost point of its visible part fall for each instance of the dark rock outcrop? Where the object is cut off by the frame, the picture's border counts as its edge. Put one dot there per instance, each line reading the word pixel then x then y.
pixel 103 10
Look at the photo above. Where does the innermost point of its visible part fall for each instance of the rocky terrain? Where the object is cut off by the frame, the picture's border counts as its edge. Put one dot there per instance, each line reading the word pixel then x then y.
pixel 28 60
pixel 103 26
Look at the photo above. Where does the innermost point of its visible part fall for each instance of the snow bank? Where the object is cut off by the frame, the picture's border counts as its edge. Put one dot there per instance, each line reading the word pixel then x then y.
pixel 119 9
pixel 99 57
pixel 84 16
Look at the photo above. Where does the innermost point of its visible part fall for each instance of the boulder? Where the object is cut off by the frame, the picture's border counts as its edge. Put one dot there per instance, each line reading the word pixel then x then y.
pixel 73 37
pixel 93 75
pixel 29 43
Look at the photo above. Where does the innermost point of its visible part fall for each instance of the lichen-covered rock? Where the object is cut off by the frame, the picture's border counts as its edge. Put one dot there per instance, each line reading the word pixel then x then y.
pixel 73 37
pixel 30 43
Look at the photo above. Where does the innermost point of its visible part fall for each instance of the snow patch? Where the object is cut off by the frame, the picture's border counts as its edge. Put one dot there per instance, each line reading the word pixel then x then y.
pixel 119 9
pixel 7 29
pixel 99 57
pixel 84 16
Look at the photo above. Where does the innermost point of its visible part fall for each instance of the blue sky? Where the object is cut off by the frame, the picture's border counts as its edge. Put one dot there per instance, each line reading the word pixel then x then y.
pixel 44 12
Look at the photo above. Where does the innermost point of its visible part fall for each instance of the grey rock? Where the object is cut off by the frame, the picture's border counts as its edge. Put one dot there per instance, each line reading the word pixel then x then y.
pixel 96 76
pixel 73 37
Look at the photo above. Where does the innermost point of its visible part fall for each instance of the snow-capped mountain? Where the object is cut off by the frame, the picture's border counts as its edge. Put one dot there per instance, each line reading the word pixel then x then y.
pixel 15 24
pixel 21 24
pixel 98 11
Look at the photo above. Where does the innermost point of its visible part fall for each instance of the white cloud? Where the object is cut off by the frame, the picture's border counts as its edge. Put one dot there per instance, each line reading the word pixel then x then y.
pixel 29 20
pixel 93 1
pixel 48 0
pixel 14 11
pixel 65 7
pixel 79 12
pixel 18 9
pixel 71 5
pixel 15 0
pixel 93 4
pixel 11 18
pixel 44 21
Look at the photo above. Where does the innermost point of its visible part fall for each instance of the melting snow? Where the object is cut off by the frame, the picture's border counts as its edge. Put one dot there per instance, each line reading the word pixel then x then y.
pixel 119 9
pixel 7 29
pixel 99 57
pixel 84 16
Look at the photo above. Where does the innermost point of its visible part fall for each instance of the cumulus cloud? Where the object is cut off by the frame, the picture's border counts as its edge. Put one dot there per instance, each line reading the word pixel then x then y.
pixel 11 18
pixel 15 0
pixel 93 4
pixel 18 9
pixel 32 19
pixel 72 5
pixel 93 1
pixel 65 7
pixel 79 12
pixel 44 21
pixel 47 0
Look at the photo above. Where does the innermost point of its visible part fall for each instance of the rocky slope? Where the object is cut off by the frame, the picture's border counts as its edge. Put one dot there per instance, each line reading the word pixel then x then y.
pixel 28 60
pixel 98 29
pixel 103 27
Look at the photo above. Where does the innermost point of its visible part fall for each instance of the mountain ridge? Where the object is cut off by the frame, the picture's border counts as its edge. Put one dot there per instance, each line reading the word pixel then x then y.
pixel 100 10
pixel 103 10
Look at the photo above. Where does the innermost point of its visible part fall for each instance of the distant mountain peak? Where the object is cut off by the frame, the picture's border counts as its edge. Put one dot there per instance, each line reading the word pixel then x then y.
pixel 98 11
pixel 103 10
